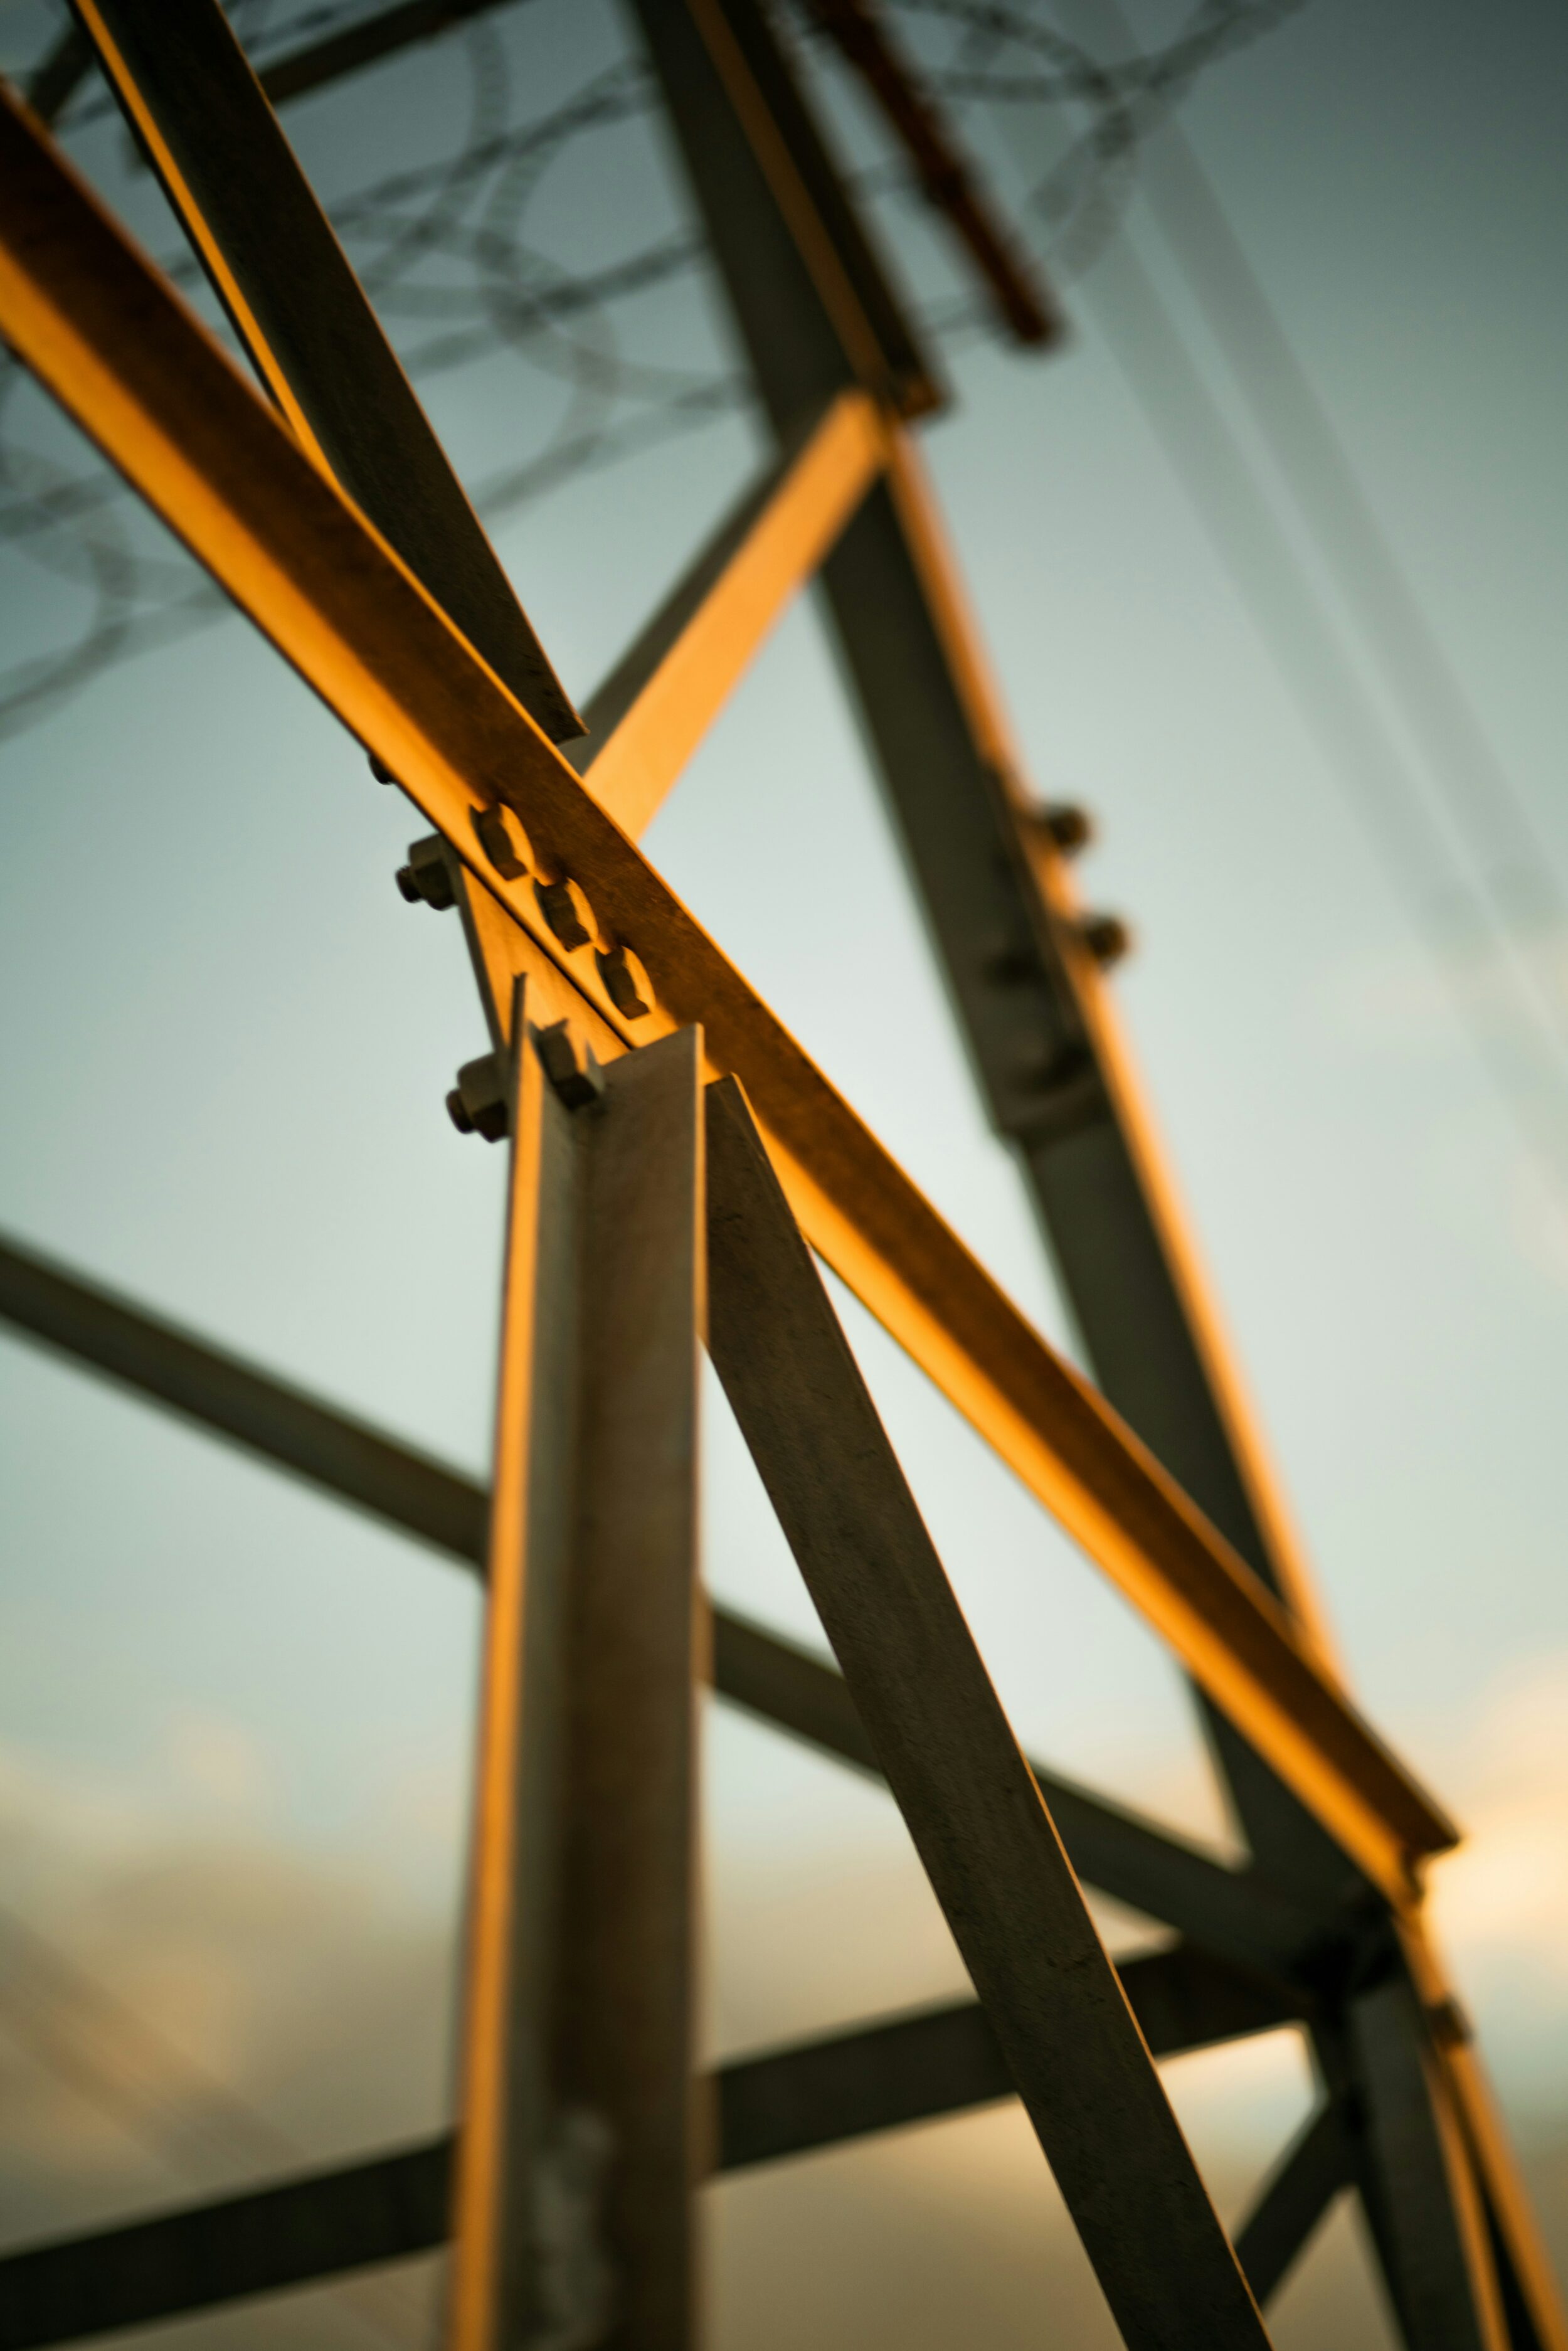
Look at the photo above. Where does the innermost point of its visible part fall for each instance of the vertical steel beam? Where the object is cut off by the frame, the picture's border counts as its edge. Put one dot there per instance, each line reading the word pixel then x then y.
pixel 583 2139
pixel 1431 2223
pixel 978 1823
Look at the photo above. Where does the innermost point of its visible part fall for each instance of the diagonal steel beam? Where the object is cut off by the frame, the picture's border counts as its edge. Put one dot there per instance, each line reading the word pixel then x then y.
pixel 94 320
pixel 1228 1911
pixel 316 64
pixel 255 225
pixel 1023 303
pixel 876 2077
pixel 1313 2168
pixel 979 1825
pixel 945 2061
pixel 267 1416
pixel 653 710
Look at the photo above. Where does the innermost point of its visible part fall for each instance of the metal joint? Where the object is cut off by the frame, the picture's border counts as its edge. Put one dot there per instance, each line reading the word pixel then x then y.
pixel 575 1075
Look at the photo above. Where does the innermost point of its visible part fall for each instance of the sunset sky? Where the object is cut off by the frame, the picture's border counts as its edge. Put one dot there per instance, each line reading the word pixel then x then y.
pixel 235 1720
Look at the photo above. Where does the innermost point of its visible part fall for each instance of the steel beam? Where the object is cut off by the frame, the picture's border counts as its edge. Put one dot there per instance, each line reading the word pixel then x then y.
pixel 1313 2170
pixel 653 709
pixel 777 2103
pixel 975 1815
pixel 93 319
pixel 316 64
pixel 816 225
pixel 1235 1913
pixel 1431 2224
pixel 1024 304
pixel 255 225
pixel 947 2061
pixel 287 2233
pixel 582 2144
pixel 267 1416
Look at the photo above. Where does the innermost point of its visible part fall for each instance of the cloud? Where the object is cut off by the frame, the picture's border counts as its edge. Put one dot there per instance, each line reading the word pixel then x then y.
pixel 1500 1904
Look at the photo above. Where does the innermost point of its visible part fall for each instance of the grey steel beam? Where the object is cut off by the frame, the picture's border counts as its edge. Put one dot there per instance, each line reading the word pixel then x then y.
pixel 316 64
pixel 1315 2166
pixel 972 1809
pixel 809 231
pixel 56 81
pixel 945 2061
pixel 582 2138
pixel 779 2102
pixel 260 2242
pixel 297 72
pixel 1236 1913
pixel 255 225
pixel 1423 2199
pixel 1024 304
pixel 266 1415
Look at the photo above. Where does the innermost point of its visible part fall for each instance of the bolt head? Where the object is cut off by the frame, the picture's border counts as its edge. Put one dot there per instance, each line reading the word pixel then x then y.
pixel 565 907
pixel 1106 937
pixel 1069 828
pixel 458 1112
pixel 626 983
pixel 504 841
pixel 424 880
pixel 573 1072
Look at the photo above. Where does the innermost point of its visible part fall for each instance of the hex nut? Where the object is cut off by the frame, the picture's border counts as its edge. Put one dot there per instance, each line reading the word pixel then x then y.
pixel 1106 937
pixel 424 881
pixel 566 909
pixel 626 984
pixel 575 1075
pixel 504 841
pixel 477 1102
pixel 1068 827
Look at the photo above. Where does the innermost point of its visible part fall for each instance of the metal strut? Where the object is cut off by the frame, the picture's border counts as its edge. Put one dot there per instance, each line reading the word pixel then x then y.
pixel 665 1135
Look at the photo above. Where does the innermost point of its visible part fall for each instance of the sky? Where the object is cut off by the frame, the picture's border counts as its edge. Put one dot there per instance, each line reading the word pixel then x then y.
pixel 235 1720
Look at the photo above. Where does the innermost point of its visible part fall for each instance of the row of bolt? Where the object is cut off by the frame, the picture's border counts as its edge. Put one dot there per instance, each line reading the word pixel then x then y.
pixel 478 1103
pixel 564 903
pixel 1069 829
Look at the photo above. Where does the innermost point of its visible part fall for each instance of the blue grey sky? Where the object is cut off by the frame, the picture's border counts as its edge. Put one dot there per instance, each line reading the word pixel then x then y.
pixel 233 1720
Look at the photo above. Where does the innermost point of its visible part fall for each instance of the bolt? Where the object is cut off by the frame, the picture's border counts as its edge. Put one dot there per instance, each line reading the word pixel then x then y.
pixel 504 843
pixel 566 909
pixel 379 768
pixel 576 1079
pixel 1451 2027
pixel 626 983
pixel 477 1102
pixel 424 881
pixel 1066 827
pixel 1106 937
